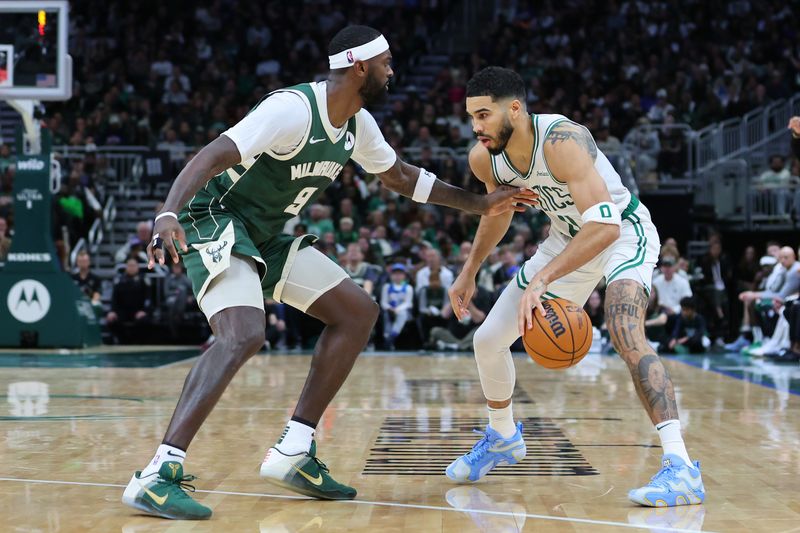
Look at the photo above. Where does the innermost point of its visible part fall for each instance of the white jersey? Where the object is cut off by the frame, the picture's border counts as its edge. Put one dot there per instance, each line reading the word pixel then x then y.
pixel 554 196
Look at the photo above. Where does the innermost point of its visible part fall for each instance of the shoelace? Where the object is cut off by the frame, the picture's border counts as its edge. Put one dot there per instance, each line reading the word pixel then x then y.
pixel 320 464
pixel 183 484
pixel 664 477
pixel 480 447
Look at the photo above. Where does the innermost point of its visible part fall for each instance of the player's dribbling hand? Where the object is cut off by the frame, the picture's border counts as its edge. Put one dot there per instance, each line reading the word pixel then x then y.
pixel 794 125
pixel 460 293
pixel 505 199
pixel 168 230
pixel 531 298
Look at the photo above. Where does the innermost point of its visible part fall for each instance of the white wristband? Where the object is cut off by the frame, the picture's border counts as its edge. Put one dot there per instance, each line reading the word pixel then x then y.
pixel 603 213
pixel 425 182
pixel 166 214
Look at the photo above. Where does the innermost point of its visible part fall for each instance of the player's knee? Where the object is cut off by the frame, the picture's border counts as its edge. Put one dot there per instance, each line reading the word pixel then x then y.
pixel 484 342
pixel 364 313
pixel 242 343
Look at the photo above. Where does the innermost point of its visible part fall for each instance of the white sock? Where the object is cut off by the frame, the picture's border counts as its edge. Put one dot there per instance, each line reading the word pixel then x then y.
pixel 671 440
pixel 296 438
pixel 502 421
pixel 163 454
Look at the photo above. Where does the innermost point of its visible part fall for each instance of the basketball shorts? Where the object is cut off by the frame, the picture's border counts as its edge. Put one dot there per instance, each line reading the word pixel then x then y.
pixel 633 256
pixel 227 269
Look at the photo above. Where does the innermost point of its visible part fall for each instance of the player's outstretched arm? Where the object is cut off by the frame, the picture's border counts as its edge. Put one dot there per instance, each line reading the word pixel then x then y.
pixel 422 186
pixel 220 154
pixel 570 152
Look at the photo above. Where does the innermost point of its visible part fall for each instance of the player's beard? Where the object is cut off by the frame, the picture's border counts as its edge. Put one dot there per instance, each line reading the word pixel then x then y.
pixel 502 137
pixel 373 91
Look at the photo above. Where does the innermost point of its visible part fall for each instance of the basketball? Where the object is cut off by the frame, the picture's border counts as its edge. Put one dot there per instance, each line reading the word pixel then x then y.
pixel 561 337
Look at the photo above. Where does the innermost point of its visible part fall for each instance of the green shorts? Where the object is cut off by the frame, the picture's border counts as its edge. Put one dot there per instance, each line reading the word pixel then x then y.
pixel 216 234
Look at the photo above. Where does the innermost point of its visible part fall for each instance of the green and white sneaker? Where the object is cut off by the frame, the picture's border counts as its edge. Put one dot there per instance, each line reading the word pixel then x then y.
pixel 164 494
pixel 305 474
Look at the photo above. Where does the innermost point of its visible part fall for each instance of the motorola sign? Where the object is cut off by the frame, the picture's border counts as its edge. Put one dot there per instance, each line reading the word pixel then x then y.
pixel 28 301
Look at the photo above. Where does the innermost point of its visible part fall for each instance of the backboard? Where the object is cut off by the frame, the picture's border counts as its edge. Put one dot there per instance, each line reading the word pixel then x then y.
pixel 34 60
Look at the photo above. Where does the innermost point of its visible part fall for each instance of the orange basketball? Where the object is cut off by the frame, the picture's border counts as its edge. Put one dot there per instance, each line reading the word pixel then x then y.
pixel 561 337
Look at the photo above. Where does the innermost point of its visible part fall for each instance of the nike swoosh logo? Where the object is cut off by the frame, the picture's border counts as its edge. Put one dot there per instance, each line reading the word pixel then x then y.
pixel 160 500
pixel 169 452
pixel 505 448
pixel 312 140
pixel 315 480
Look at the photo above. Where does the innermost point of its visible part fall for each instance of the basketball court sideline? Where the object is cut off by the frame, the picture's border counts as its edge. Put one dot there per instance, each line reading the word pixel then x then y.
pixel 73 435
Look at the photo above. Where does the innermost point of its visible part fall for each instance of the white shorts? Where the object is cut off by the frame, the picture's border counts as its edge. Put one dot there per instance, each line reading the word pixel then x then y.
pixel 311 275
pixel 633 256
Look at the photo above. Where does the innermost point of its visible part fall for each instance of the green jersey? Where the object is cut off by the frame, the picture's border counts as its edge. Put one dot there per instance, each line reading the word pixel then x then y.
pixel 287 161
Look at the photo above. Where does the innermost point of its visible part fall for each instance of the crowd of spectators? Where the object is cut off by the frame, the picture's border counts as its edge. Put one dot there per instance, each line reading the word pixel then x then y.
pixel 144 77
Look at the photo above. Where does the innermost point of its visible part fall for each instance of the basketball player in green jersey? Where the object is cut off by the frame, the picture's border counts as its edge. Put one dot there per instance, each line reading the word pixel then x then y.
pixel 599 230
pixel 226 210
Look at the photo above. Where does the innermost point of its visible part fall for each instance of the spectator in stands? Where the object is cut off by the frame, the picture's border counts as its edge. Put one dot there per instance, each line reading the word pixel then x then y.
pixel 433 263
pixel 784 284
pixel 379 242
pixel 594 308
pixel 174 146
pixel 431 300
pixel 136 245
pixel 747 270
pixel 457 335
pixel 508 268
pixel 178 297
pixel 319 220
pixel 346 234
pixel 770 276
pixel 424 139
pixel 777 175
pixel 661 108
pixel 607 143
pixel 275 336
pixel 781 284
pixel 5 240
pixel 130 304
pixel 672 288
pixel 717 280
pixel 455 140
pixel 89 284
pixel 672 158
pixel 689 334
pixel 75 207
pixel 397 301
pixel 362 273
pixel 655 323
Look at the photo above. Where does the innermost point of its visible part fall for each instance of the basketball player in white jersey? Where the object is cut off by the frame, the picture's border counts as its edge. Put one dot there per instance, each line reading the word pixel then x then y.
pixel 598 229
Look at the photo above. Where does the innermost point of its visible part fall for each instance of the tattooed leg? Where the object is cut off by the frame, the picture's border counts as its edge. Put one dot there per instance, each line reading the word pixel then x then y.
pixel 626 305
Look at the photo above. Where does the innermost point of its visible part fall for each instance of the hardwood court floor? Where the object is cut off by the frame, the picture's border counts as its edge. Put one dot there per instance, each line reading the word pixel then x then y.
pixel 73 436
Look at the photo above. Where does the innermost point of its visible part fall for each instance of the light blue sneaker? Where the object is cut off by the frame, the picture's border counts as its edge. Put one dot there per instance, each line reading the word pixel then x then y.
pixel 738 345
pixel 675 484
pixel 492 450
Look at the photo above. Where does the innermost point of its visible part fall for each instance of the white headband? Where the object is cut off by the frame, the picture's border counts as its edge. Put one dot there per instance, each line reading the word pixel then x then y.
pixel 346 58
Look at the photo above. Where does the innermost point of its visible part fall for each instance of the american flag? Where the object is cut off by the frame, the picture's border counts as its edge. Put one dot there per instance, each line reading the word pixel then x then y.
pixel 45 80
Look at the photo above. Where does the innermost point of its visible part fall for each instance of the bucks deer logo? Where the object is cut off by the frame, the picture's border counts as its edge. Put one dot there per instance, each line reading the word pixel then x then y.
pixel 216 251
